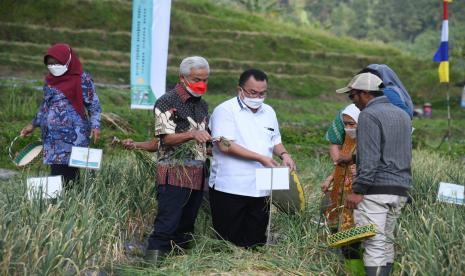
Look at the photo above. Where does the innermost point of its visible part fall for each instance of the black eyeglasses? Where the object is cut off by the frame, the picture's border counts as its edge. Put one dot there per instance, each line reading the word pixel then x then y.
pixel 255 94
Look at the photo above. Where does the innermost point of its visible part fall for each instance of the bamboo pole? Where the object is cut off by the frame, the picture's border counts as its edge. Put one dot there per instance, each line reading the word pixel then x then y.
pixel 449 131
pixel 268 228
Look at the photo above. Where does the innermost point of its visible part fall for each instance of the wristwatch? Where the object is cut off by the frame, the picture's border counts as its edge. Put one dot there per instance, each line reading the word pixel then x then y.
pixel 281 154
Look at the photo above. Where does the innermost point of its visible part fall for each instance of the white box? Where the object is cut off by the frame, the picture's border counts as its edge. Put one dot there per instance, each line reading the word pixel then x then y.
pixel 50 186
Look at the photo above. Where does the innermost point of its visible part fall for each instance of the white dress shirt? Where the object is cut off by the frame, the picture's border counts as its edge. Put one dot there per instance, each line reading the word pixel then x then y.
pixel 257 132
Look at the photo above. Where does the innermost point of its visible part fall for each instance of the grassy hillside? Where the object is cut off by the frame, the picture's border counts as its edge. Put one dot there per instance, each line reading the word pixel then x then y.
pixel 301 61
pixel 86 231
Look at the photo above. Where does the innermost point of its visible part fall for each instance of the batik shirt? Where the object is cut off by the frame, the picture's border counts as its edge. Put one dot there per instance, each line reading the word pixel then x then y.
pixel 62 127
pixel 177 112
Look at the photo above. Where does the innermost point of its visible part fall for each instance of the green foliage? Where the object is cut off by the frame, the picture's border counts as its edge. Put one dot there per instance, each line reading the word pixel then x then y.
pixel 301 61
pixel 413 26
pixel 82 230
pixel 404 20
pixel 85 230
pixel 72 14
pixel 431 235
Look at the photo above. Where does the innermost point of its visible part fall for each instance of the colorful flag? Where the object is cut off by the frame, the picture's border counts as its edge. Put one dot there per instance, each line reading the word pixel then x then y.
pixel 149 51
pixel 442 54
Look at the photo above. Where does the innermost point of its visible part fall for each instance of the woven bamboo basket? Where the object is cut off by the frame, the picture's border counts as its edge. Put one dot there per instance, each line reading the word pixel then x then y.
pixel 26 155
pixel 352 235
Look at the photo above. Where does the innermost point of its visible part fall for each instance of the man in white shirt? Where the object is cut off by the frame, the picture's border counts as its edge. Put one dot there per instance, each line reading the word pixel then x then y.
pixel 240 212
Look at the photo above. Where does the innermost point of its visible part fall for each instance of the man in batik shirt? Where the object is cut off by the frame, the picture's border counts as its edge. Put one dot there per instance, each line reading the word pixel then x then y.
pixel 180 127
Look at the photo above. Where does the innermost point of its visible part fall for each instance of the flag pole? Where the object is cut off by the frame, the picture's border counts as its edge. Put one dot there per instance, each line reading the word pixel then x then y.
pixel 442 56
pixel 449 132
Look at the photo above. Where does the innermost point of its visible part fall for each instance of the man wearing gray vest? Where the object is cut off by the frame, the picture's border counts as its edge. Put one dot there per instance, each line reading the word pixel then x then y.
pixel 384 155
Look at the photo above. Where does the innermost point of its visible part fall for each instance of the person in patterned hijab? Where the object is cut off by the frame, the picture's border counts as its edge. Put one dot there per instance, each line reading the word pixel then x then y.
pixel 69 113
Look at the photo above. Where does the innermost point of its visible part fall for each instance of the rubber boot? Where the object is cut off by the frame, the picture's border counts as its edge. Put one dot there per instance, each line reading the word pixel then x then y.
pixel 154 257
pixel 354 267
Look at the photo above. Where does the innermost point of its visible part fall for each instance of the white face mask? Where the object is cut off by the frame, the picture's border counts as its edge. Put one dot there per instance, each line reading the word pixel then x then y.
pixel 253 103
pixel 59 69
pixel 351 132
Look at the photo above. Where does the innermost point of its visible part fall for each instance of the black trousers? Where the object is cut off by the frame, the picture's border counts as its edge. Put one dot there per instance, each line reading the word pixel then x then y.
pixel 175 219
pixel 241 220
pixel 69 173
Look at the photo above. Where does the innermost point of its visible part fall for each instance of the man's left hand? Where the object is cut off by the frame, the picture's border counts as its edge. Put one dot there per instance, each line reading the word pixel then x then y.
pixel 288 162
pixel 352 200
pixel 95 133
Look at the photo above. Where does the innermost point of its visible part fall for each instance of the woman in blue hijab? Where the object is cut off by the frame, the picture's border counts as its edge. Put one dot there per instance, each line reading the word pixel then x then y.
pixel 394 89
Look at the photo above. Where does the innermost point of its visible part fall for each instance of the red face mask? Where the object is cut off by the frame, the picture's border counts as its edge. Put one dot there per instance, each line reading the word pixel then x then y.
pixel 197 88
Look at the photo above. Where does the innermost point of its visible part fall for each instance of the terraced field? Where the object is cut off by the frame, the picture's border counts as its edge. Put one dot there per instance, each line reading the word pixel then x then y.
pixel 303 62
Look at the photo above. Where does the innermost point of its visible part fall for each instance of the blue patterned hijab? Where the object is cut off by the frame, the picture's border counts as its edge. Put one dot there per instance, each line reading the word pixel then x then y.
pixel 391 80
